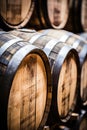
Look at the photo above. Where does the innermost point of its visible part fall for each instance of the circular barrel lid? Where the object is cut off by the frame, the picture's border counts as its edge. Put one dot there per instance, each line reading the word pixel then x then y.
pixel 16 14
pixel 58 12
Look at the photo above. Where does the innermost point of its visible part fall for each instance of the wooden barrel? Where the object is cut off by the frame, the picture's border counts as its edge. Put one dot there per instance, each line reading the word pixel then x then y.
pixel 25 85
pixel 53 13
pixel 84 15
pixel 39 13
pixel 16 14
pixel 80 45
pixel 77 20
pixel 81 123
pixel 64 68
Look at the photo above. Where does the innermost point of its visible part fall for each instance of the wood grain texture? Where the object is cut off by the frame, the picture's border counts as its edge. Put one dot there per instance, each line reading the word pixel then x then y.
pixel 77 20
pixel 50 13
pixel 52 48
pixel 71 39
pixel 36 14
pixel 16 14
pixel 58 12
pixel 83 124
pixel 84 15
pixel 66 90
pixel 80 45
pixel 28 93
pixel 84 83
pixel 25 35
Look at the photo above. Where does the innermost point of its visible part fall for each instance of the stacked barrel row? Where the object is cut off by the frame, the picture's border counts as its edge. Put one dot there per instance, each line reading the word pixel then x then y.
pixel 25 83
pixel 67 14
pixel 43 73
pixel 41 78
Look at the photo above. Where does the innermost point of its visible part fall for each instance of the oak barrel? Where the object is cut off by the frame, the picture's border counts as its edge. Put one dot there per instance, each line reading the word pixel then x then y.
pixel 53 13
pixel 25 85
pixel 64 64
pixel 81 123
pixel 16 14
pixel 35 13
pixel 80 45
pixel 77 20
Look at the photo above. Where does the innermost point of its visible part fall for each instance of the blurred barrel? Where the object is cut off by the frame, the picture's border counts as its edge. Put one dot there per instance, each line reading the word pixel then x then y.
pixel 25 85
pixel 81 123
pixel 80 45
pixel 84 14
pixel 53 13
pixel 77 20
pixel 35 13
pixel 64 68
pixel 16 14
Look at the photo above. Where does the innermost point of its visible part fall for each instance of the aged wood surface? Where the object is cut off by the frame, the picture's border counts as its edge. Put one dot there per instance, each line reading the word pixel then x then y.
pixel 27 98
pixel 58 12
pixel 66 86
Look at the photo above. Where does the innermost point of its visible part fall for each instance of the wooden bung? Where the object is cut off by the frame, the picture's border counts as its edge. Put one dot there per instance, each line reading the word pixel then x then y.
pixel 25 85
pixel 64 68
